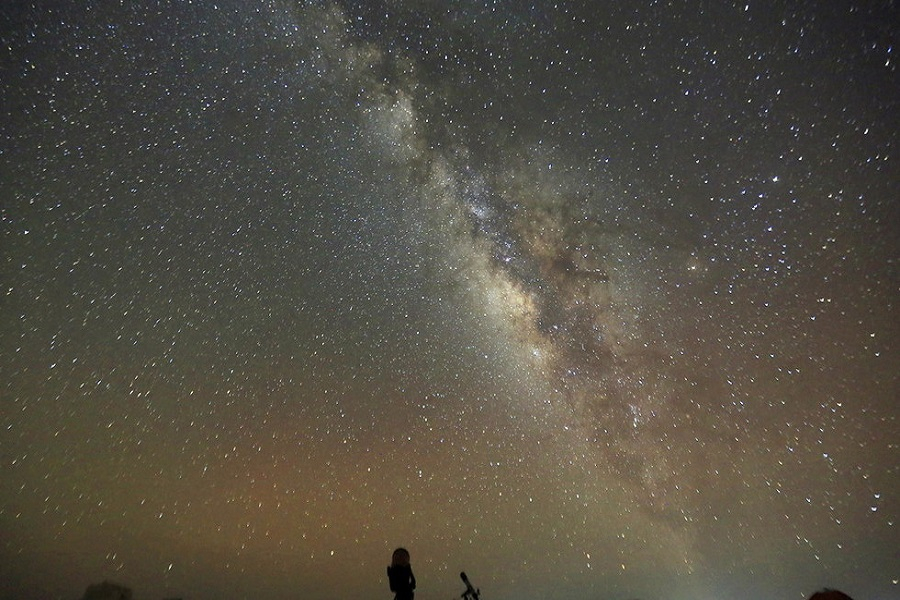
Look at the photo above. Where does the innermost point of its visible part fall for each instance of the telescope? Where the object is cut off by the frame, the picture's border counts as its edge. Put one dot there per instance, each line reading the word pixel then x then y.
pixel 471 593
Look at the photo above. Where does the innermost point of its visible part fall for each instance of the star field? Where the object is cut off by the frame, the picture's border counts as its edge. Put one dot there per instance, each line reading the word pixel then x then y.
pixel 589 300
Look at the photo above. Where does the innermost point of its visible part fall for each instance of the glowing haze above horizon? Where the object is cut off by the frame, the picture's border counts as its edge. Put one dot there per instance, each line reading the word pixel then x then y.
pixel 591 300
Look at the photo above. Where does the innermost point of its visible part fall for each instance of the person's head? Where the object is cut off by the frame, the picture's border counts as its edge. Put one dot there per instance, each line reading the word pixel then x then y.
pixel 827 594
pixel 400 558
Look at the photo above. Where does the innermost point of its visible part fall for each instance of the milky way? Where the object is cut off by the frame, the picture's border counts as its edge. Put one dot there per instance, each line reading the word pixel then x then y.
pixel 589 300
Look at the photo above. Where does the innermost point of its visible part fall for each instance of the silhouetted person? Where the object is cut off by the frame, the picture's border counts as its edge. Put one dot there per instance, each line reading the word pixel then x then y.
pixel 827 594
pixel 400 575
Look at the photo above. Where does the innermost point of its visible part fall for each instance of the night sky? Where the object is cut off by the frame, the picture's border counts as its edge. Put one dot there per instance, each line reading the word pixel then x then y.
pixel 591 300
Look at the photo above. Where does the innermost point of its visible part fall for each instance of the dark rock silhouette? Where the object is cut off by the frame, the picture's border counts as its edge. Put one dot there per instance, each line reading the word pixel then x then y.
pixel 827 594
pixel 107 591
